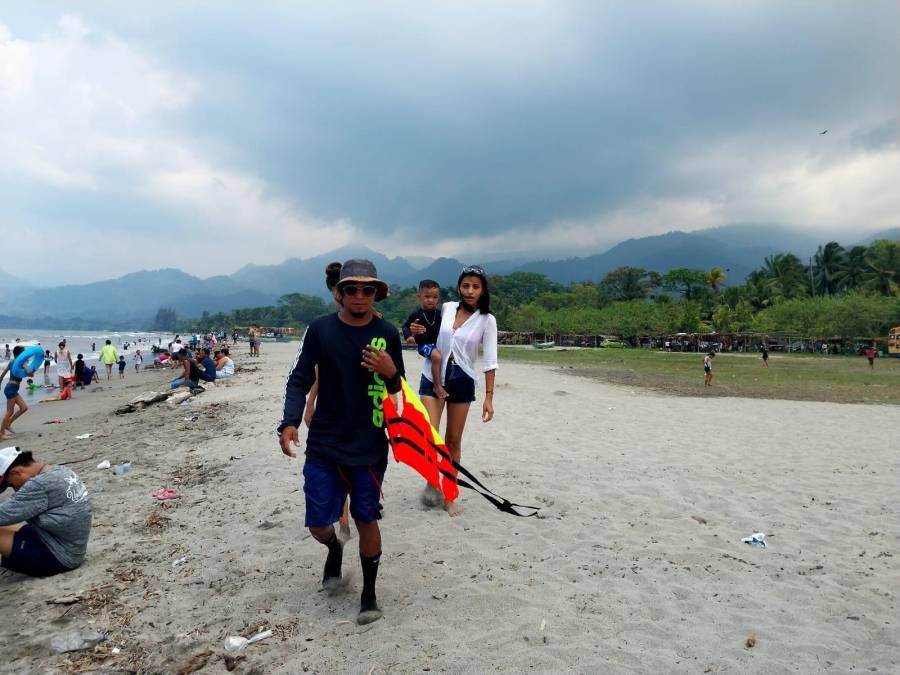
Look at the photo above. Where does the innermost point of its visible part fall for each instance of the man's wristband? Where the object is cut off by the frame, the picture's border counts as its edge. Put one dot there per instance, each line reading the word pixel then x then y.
pixel 488 391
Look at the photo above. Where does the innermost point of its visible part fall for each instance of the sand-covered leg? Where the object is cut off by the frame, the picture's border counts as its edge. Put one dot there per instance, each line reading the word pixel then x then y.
pixel 430 496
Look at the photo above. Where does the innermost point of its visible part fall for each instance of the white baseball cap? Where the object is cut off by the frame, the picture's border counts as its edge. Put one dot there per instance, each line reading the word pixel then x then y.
pixel 7 457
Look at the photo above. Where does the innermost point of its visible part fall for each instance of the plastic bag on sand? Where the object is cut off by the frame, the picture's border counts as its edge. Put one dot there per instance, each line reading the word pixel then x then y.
pixel 757 539
pixel 75 639
pixel 236 643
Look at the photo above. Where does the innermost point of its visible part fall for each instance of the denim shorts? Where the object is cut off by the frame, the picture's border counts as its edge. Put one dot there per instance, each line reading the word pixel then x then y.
pixel 11 390
pixel 326 486
pixel 459 386
pixel 31 556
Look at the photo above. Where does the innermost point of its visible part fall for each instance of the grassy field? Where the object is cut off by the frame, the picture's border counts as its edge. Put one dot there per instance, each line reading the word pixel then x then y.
pixel 841 379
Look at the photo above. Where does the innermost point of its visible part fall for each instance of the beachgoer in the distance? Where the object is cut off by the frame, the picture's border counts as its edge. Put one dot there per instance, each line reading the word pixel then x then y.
pixel 422 327
pixel 7 354
pixel 122 366
pixel 359 363
pixel 44 528
pixel 48 359
pixel 765 355
pixel 79 372
pixel 63 358
pixel 93 347
pixel 109 357
pixel 707 368
pixel 466 325
pixel 15 404
pixel 138 359
pixel 870 355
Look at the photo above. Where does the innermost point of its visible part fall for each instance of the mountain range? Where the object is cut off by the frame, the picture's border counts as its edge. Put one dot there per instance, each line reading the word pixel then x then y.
pixel 134 298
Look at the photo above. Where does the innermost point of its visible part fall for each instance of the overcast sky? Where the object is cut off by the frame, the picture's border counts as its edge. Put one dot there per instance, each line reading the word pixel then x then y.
pixel 207 135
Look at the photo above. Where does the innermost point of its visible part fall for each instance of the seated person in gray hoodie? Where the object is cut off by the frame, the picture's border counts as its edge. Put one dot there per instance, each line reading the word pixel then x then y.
pixel 44 528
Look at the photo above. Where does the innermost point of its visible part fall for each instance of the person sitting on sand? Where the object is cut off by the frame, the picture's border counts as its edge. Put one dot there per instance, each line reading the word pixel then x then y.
pixel 707 368
pixel 224 364
pixel 206 365
pixel 44 528
pixel 190 376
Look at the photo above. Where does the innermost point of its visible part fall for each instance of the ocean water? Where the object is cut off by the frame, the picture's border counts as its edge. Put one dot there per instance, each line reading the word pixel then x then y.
pixel 84 342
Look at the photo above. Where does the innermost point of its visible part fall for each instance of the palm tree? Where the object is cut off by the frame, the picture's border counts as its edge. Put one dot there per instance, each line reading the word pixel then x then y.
pixel 883 258
pixel 757 290
pixel 853 273
pixel 715 278
pixel 786 276
pixel 828 263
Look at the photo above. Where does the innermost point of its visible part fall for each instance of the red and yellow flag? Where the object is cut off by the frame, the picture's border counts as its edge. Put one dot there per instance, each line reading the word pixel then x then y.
pixel 418 444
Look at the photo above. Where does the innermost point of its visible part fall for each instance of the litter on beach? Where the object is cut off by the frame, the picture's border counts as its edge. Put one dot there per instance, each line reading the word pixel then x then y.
pixel 236 643
pixel 82 437
pixel 104 464
pixel 164 494
pixel 757 539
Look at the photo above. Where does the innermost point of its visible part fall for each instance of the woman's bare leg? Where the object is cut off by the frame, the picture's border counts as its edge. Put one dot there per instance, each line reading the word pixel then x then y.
pixel 435 407
pixel 456 424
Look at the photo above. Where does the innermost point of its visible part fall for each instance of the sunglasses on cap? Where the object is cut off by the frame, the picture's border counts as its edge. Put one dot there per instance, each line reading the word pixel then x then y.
pixel 368 291
pixel 473 269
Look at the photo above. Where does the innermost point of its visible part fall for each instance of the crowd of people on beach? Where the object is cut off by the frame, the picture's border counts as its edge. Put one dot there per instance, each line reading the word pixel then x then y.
pixel 348 363
pixel 45 526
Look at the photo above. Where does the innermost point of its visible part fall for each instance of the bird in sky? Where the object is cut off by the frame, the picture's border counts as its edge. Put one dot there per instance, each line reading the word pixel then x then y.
pixel 822 133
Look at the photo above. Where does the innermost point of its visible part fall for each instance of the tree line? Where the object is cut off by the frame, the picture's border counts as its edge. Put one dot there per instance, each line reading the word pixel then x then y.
pixel 841 292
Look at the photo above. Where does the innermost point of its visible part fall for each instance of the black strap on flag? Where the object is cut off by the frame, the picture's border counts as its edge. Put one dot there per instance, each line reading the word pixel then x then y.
pixel 501 503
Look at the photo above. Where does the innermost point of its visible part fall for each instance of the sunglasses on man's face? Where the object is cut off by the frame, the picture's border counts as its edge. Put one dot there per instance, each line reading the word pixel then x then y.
pixel 368 291
pixel 473 269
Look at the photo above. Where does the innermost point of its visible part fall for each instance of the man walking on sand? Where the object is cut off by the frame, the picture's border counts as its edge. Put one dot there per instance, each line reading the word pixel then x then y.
pixel 109 357
pixel 360 363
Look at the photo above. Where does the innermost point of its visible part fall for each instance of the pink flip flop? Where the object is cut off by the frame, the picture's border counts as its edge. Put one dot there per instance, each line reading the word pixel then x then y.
pixel 165 493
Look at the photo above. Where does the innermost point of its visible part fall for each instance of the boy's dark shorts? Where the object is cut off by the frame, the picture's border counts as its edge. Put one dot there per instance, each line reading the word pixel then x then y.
pixel 459 386
pixel 31 556
pixel 326 485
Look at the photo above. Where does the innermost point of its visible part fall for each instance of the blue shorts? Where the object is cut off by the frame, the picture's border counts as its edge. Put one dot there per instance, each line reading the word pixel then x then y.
pixel 11 390
pixel 459 386
pixel 326 485
pixel 31 556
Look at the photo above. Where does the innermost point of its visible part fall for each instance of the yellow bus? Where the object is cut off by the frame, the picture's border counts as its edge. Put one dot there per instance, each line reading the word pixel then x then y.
pixel 894 342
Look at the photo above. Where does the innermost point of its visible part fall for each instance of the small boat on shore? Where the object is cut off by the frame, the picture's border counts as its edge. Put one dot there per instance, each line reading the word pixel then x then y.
pixel 544 345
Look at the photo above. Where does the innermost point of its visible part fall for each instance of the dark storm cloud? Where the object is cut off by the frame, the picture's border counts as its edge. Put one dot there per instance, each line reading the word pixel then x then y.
pixel 491 117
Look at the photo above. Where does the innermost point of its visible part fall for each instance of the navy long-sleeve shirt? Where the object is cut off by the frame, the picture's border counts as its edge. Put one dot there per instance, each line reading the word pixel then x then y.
pixel 431 320
pixel 348 424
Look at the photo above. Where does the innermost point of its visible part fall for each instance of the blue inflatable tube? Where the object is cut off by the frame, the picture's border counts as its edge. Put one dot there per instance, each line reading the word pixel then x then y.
pixel 34 356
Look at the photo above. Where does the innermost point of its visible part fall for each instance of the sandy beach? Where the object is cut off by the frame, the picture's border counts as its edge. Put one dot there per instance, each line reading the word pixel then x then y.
pixel 634 565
